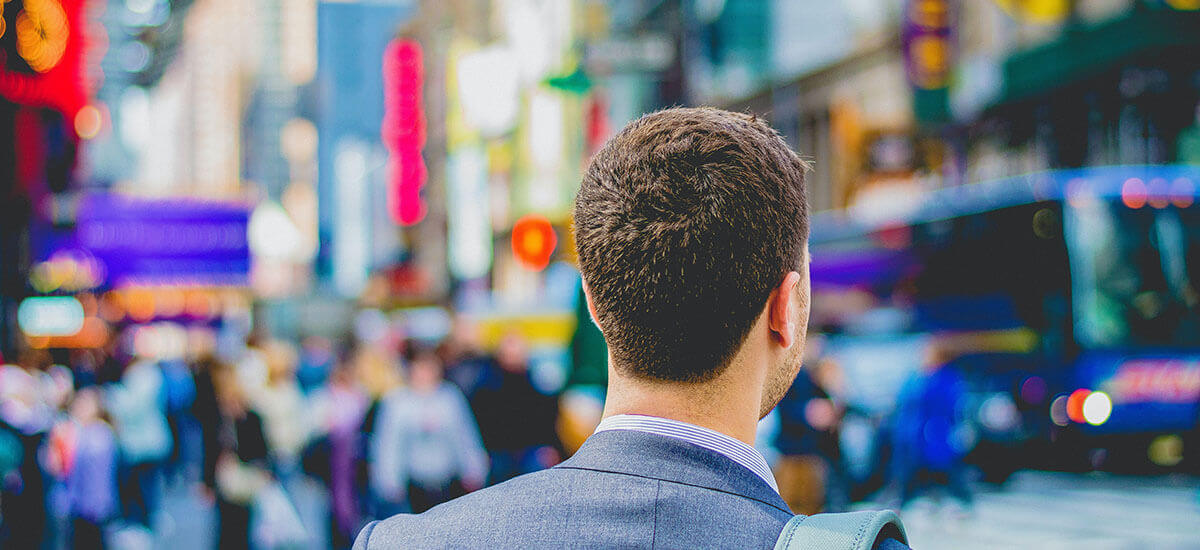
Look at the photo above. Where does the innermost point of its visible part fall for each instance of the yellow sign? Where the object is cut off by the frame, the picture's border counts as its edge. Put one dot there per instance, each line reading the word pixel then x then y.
pixel 1040 11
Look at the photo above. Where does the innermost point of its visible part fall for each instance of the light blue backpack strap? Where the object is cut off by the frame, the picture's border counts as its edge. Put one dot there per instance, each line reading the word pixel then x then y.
pixel 844 531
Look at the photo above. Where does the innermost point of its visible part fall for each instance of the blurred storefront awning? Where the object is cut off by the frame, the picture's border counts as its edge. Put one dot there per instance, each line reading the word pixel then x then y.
pixel 1087 51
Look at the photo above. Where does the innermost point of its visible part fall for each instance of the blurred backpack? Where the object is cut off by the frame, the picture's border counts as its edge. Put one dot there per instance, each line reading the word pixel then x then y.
pixel 842 531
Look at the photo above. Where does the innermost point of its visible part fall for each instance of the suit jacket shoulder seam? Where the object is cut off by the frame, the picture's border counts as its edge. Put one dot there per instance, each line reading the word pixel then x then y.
pixel 788 512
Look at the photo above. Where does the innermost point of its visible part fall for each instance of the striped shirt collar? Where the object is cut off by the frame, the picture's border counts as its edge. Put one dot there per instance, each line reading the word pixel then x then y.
pixel 712 440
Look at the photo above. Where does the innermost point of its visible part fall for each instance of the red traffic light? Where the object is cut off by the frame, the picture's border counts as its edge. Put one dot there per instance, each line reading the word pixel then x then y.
pixel 533 241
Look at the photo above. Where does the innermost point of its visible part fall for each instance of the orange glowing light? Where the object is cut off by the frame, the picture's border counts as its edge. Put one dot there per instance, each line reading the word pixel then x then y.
pixel 140 305
pixel 170 302
pixel 42 34
pixel 1134 193
pixel 533 241
pixel 111 309
pixel 88 122
pixel 93 335
pixel 1075 405
pixel 199 304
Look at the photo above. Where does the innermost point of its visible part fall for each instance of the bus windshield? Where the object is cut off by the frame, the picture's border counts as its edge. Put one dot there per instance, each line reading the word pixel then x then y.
pixel 1135 274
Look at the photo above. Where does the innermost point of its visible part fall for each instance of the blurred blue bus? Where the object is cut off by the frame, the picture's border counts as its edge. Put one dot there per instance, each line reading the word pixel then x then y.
pixel 1070 300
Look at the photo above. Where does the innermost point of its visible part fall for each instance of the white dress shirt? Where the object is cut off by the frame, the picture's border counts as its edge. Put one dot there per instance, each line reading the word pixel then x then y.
pixel 712 440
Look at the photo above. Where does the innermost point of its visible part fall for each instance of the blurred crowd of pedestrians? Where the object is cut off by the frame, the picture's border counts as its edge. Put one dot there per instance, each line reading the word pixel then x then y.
pixel 916 449
pixel 387 425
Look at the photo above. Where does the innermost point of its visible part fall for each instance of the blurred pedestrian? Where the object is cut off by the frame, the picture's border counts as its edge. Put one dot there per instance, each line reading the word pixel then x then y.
pixel 465 363
pixel 85 362
pixel 285 413
pixel 83 455
pixel 426 448
pixel 516 420
pixel 378 373
pixel 340 408
pixel 241 467
pixel 930 431
pixel 25 419
pixel 180 387
pixel 137 405
pixel 251 365
pixel 316 362
pixel 808 440
pixel 207 411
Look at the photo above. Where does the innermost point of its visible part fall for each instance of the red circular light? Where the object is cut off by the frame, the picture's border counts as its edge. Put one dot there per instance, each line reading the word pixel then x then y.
pixel 533 241
pixel 1075 405
pixel 1134 193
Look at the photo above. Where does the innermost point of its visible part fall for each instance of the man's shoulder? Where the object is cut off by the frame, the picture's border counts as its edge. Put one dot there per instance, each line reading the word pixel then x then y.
pixel 569 506
pixel 528 506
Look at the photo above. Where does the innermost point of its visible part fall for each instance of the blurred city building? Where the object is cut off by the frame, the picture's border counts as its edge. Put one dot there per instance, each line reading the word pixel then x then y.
pixel 940 93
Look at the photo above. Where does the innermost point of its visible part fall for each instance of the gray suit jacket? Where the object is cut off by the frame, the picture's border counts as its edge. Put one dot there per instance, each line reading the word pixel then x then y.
pixel 623 489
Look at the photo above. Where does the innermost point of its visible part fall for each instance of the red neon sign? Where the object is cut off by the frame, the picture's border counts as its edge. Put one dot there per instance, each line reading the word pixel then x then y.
pixel 1162 380
pixel 403 130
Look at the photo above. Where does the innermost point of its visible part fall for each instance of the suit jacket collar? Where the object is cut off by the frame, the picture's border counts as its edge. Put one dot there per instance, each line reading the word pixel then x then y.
pixel 666 458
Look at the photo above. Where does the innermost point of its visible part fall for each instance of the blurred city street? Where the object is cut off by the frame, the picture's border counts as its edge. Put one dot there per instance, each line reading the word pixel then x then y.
pixel 1034 510
pixel 187 519
pixel 316 261
pixel 1068 512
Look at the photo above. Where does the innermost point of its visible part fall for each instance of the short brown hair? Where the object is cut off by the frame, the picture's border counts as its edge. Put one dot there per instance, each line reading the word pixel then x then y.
pixel 685 221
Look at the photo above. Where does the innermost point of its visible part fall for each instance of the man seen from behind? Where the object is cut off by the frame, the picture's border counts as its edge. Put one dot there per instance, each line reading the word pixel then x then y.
pixel 692 228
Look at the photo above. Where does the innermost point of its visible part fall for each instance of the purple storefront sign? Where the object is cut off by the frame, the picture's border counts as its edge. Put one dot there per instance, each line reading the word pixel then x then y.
pixel 141 241
pixel 927 36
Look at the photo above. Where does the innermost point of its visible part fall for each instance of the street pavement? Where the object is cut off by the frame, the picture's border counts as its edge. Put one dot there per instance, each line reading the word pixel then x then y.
pixel 1064 511
pixel 188 521
pixel 1034 510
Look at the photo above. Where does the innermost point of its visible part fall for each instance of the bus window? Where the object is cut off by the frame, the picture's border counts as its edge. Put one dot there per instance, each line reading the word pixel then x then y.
pixel 1134 275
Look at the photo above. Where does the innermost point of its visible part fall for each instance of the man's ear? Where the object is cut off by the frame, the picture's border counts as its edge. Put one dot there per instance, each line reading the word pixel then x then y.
pixel 782 309
pixel 587 297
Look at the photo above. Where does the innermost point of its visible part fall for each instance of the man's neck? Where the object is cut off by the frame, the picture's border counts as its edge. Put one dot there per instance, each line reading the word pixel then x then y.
pixel 727 405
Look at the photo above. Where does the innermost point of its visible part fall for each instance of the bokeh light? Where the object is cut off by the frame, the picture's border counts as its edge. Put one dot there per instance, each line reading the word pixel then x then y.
pixel 533 241
pixel 1166 450
pixel 42 34
pixel 1133 193
pixel 1158 193
pixel 1033 390
pixel 1183 192
pixel 50 315
pixel 1075 405
pixel 88 122
pixel 1058 411
pixel 1096 408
